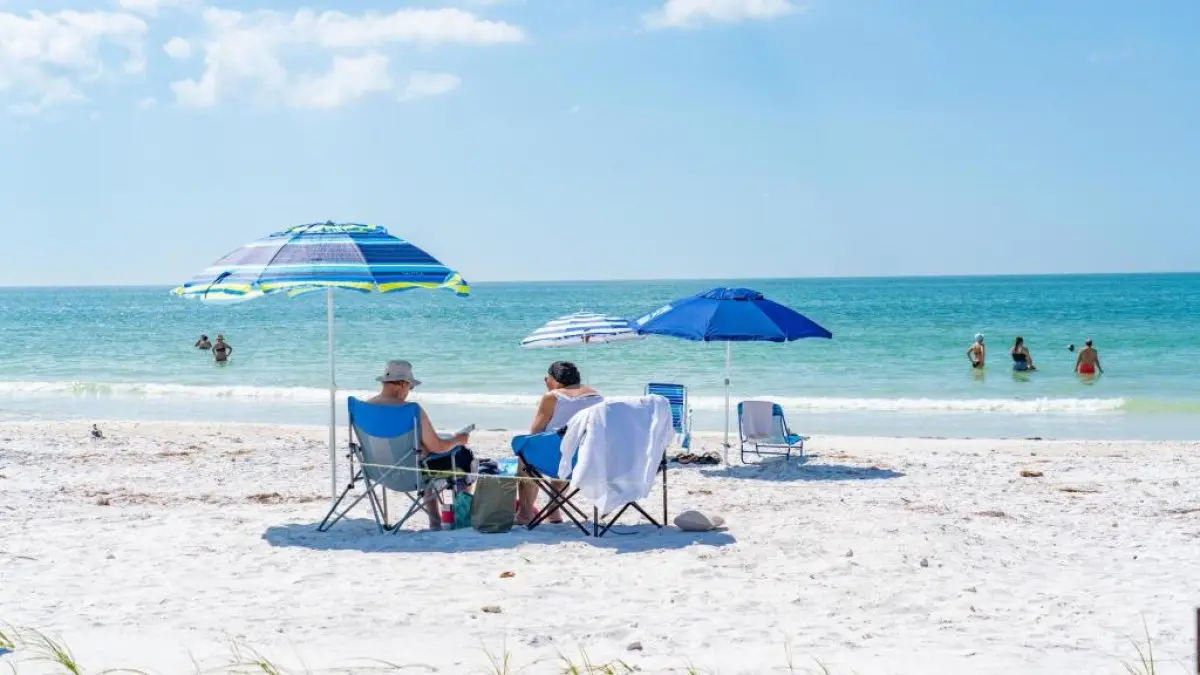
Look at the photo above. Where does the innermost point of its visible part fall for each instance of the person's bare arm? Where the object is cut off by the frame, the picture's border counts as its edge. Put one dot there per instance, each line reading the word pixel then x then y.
pixel 544 412
pixel 1078 360
pixel 1098 368
pixel 432 443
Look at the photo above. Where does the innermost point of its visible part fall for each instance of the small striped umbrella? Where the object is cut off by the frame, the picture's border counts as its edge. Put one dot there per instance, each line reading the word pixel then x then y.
pixel 322 256
pixel 581 328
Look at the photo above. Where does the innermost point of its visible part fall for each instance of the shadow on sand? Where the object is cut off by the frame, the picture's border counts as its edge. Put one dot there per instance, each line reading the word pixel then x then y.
pixel 802 469
pixel 360 534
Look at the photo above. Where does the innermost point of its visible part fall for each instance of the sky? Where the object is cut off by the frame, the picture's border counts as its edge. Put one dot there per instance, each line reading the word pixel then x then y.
pixel 594 139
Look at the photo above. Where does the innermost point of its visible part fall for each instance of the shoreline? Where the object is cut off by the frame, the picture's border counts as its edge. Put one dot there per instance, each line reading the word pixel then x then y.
pixel 704 437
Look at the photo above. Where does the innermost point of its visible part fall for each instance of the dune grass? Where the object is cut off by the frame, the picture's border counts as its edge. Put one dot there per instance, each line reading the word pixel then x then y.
pixel 31 646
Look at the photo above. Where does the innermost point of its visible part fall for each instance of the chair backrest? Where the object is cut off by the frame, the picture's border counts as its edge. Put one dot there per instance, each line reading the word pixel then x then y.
pixel 676 395
pixel 762 421
pixel 389 438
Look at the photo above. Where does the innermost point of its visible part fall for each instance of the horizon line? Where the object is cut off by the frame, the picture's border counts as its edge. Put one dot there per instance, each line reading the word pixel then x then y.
pixel 704 279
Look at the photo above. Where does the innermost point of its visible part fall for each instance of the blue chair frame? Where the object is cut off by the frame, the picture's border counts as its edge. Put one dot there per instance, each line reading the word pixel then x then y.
pixel 681 412
pixel 787 441
pixel 540 455
pixel 395 463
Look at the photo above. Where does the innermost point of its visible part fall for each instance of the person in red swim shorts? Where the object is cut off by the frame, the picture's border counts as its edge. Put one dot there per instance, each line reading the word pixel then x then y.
pixel 1088 361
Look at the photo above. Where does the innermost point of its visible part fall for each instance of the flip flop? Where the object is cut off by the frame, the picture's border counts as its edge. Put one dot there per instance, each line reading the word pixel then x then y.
pixel 686 458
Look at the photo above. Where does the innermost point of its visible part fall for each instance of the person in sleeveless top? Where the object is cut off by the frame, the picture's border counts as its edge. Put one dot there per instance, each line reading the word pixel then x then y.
pixel 565 396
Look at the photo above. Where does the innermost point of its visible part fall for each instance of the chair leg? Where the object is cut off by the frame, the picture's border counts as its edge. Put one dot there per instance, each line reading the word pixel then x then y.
pixel 663 468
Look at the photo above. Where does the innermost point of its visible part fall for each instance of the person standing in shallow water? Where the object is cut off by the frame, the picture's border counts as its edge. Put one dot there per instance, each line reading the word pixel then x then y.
pixel 203 343
pixel 1088 361
pixel 221 349
pixel 1022 359
pixel 977 353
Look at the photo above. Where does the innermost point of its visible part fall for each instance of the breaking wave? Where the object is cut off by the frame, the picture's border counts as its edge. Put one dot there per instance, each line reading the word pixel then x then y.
pixel 309 395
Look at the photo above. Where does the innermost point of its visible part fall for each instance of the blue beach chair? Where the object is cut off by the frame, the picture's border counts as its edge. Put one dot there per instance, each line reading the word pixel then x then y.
pixel 681 414
pixel 385 443
pixel 764 430
pixel 542 455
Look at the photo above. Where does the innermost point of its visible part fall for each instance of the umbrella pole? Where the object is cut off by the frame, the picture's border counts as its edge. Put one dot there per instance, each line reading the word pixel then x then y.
pixel 728 357
pixel 332 398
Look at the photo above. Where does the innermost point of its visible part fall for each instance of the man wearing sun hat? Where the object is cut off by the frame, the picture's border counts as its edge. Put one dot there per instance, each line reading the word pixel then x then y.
pixel 397 382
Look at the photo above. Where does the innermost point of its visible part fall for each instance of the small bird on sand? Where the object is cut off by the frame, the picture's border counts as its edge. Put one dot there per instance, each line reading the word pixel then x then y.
pixel 96 433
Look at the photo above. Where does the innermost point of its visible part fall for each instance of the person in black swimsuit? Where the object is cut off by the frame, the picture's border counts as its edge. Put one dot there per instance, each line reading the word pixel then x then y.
pixel 221 349
pixel 1022 360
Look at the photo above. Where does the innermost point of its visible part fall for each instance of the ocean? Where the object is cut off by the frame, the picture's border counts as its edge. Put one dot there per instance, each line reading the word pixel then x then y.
pixel 896 365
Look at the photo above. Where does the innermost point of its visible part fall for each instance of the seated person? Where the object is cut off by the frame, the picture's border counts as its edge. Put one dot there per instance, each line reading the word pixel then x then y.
pixel 397 382
pixel 565 395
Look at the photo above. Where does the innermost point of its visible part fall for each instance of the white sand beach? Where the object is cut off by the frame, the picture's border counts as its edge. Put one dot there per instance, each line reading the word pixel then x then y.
pixel 161 545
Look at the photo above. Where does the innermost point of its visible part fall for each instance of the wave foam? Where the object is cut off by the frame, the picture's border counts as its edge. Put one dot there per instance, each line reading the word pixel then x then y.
pixel 310 395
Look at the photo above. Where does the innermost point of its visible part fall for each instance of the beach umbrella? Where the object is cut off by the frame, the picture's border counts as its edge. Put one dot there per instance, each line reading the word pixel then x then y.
pixel 581 328
pixel 322 257
pixel 729 315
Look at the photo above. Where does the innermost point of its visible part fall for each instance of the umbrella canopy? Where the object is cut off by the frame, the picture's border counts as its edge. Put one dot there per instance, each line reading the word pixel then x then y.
pixel 729 315
pixel 320 256
pixel 323 256
pixel 581 328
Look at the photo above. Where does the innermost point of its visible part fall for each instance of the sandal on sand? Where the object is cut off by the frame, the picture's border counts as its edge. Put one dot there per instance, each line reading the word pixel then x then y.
pixel 686 458
pixel 709 458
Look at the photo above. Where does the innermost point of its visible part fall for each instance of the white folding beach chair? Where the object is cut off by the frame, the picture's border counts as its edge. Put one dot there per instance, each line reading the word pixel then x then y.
pixel 764 431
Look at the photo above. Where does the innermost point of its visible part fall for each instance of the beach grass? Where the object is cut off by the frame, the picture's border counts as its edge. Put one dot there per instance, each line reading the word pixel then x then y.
pixel 37 647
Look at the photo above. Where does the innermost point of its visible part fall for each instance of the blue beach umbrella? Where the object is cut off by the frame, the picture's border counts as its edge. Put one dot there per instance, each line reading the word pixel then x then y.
pixel 729 315
pixel 322 257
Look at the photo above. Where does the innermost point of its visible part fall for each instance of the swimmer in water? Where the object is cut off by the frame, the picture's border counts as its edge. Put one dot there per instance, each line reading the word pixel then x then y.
pixel 203 343
pixel 1022 360
pixel 1088 361
pixel 221 349
pixel 977 353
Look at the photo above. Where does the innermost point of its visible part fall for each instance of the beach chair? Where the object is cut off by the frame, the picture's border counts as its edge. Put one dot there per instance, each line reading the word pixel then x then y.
pixel 764 431
pixel 542 458
pixel 681 414
pixel 384 455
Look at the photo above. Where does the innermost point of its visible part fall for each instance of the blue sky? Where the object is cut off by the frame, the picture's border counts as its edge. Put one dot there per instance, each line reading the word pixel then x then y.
pixel 550 139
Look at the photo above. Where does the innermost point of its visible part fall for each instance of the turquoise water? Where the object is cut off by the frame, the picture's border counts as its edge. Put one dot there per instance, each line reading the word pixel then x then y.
pixel 896 365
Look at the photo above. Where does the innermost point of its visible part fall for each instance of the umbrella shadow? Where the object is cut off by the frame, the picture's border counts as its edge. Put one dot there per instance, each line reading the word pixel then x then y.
pixel 361 535
pixel 800 469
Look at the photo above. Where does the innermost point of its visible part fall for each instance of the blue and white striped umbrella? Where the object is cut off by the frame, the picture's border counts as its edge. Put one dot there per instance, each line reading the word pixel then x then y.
pixel 318 256
pixel 322 256
pixel 581 328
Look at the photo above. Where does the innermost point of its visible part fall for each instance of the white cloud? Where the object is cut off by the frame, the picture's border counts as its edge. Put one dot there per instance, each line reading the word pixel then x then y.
pixel 349 79
pixel 249 54
pixel 148 7
pixel 425 85
pixel 47 58
pixel 695 13
pixel 178 48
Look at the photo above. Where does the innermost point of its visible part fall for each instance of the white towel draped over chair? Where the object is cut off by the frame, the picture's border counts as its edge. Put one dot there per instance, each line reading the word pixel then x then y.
pixel 620 445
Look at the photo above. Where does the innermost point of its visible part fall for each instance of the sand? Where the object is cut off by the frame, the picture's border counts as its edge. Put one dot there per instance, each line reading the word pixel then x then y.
pixel 167 546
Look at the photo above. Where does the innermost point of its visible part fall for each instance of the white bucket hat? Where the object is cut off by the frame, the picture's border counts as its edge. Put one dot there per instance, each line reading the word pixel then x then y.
pixel 694 521
pixel 399 371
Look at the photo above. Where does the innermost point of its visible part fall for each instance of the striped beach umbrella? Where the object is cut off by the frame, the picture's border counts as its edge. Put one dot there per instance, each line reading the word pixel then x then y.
pixel 581 328
pixel 323 257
